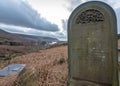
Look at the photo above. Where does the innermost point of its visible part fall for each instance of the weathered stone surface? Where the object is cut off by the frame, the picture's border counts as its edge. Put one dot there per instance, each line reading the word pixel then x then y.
pixel 92 51
pixel 27 77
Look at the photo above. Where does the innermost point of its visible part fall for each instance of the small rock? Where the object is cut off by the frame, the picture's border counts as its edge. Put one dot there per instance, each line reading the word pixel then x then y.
pixel 27 77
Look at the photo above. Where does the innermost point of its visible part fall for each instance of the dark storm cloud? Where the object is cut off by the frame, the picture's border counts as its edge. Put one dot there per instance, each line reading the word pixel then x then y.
pixel 19 13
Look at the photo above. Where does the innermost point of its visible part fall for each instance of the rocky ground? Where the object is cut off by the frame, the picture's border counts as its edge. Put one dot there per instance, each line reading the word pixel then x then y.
pixel 51 64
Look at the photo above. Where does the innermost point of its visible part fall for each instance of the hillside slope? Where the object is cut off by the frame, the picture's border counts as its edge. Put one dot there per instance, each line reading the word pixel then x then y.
pixel 18 43
pixel 10 37
pixel 51 63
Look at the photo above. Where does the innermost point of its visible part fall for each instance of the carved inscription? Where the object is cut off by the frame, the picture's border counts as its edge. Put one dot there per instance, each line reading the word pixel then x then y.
pixel 90 16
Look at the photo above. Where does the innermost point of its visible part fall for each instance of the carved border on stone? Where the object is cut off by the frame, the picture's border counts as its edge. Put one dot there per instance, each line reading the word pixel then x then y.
pixel 90 16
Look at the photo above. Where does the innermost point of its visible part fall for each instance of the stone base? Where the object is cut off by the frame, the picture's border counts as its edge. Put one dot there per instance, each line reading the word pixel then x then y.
pixel 85 83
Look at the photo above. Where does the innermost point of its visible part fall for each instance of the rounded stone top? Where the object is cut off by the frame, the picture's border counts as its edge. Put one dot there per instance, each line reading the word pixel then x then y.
pixel 92 11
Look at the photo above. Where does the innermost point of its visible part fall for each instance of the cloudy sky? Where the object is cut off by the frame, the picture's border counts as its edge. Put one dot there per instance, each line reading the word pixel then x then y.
pixel 42 17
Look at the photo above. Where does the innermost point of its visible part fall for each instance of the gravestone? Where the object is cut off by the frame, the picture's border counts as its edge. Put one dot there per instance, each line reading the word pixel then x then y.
pixel 92 46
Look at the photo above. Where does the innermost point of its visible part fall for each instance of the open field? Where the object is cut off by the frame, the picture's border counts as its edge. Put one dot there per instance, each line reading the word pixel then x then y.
pixel 51 63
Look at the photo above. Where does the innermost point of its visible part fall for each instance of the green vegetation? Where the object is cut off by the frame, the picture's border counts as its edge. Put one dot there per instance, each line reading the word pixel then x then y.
pixel 43 43
pixel 15 44
pixel 65 43
pixel 7 57
pixel 11 43
pixel 61 60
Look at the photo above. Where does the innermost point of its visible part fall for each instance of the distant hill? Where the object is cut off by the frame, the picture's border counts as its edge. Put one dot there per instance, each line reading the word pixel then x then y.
pixel 19 43
pixel 38 38
pixel 23 39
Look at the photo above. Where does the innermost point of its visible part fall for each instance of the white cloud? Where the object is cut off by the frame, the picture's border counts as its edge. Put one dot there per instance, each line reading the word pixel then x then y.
pixel 72 4
pixel 19 12
pixel 53 15
pixel 52 10
pixel 14 29
pixel 115 4
pixel 30 31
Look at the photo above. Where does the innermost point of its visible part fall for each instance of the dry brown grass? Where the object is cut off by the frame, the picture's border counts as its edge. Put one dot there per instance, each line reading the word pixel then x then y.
pixel 8 81
pixel 51 63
